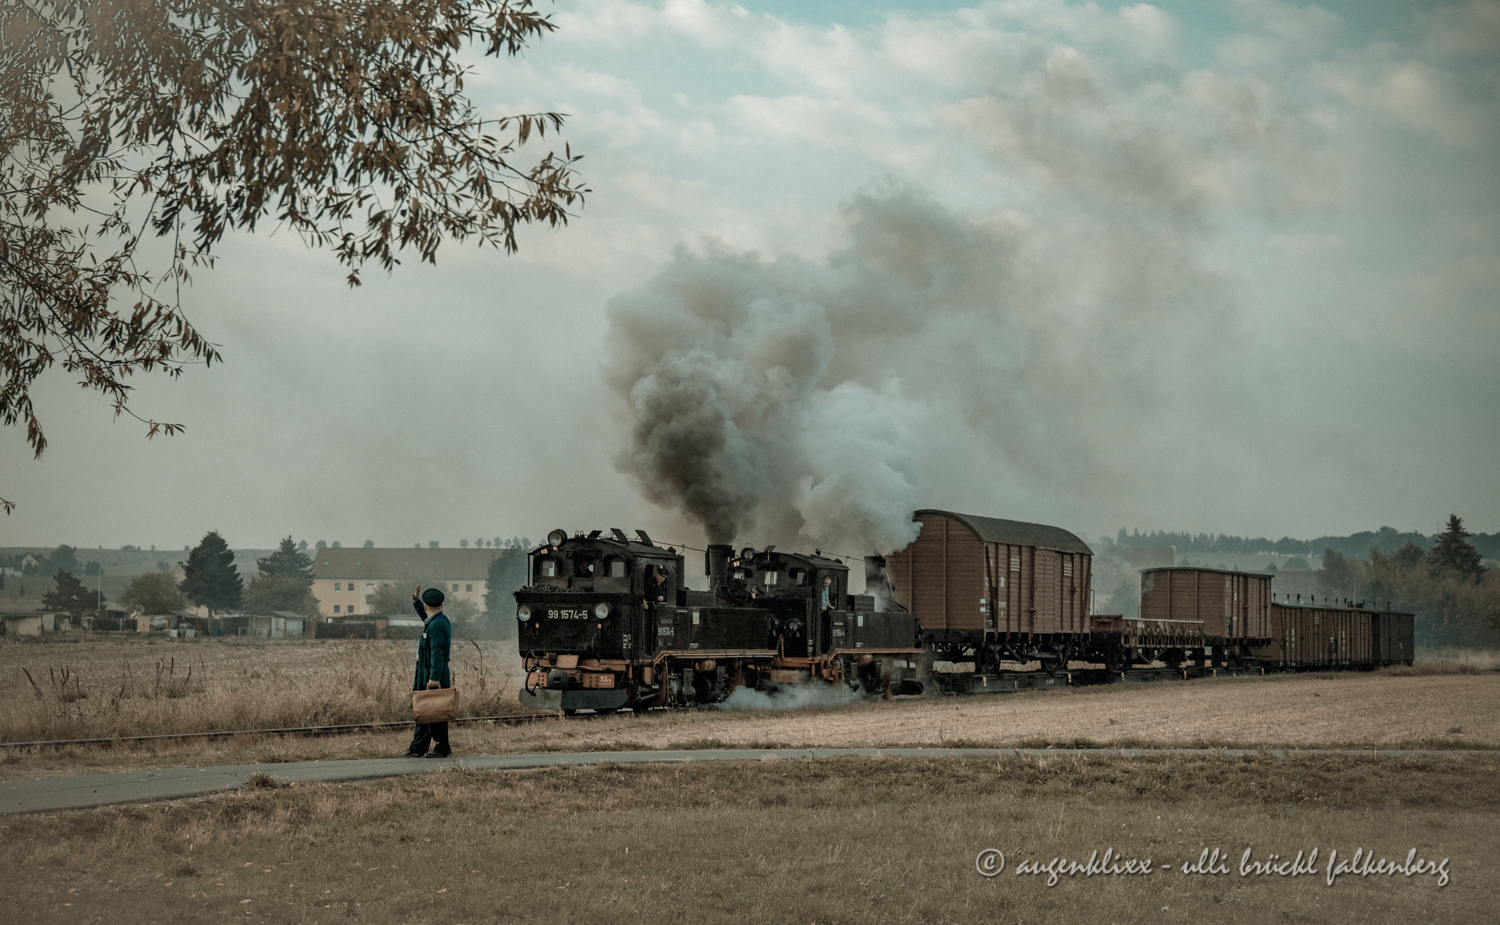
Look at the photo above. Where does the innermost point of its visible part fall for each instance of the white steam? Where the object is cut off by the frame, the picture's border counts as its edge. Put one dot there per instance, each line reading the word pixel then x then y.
pixel 795 697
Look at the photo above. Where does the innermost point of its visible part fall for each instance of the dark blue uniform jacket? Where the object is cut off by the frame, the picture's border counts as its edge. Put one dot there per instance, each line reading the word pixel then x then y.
pixel 432 651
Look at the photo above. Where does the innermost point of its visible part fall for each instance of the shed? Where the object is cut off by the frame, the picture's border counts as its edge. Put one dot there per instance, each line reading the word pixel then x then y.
pixel 29 624
pixel 1002 577
pixel 278 624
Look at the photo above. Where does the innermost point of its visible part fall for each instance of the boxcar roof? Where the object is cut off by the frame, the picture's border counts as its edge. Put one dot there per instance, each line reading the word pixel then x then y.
pixel 1352 608
pixel 1018 533
pixel 1199 568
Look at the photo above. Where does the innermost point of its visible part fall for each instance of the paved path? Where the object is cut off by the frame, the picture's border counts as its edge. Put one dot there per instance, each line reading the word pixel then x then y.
pixel 85 790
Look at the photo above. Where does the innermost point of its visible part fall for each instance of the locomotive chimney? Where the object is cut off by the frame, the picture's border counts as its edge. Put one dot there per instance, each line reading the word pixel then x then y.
pixel 716 564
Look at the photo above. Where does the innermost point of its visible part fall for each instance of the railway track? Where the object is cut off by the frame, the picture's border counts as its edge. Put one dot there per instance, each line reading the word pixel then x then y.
pixel 507 720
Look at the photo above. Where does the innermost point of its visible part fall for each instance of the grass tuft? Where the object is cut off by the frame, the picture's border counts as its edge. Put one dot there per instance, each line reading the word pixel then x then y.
pixel 260 780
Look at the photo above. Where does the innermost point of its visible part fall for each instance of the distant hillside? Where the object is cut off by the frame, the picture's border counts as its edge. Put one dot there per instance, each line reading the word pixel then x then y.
pixel 124 562
pixel 1387 539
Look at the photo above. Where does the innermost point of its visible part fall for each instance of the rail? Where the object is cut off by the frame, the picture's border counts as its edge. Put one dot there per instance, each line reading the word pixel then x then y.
pixel 512 719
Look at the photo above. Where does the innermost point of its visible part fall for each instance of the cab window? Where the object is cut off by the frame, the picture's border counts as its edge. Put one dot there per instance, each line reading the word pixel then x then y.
pixel 614 567
pixel 546 567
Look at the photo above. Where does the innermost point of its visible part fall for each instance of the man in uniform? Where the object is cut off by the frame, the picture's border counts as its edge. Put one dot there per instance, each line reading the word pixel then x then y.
pixel 432 670
pixel 658 590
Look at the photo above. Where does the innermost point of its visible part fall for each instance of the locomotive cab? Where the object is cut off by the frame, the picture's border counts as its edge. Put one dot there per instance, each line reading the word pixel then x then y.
pixel 584 618
pixel 805 596
pixel 815 619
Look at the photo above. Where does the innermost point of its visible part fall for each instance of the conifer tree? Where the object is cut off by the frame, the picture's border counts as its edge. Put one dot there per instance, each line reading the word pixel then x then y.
pixel 1451 552
pixel 287 562
pixel 71 596
pixel 211 578
pixel 268 593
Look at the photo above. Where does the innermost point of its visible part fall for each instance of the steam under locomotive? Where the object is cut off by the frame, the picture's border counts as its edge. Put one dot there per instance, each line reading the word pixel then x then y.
pixel 607 623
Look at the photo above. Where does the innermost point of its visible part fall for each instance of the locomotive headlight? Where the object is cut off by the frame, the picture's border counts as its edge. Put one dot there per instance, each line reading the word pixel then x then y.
pixel 523 613
pixel 601 610
pixel 557 537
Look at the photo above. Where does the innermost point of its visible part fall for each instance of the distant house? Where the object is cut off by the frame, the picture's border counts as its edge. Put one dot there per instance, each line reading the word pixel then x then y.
pixel 343 578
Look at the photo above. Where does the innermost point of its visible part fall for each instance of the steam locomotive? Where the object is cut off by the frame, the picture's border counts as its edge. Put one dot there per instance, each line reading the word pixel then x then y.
pixel 606 624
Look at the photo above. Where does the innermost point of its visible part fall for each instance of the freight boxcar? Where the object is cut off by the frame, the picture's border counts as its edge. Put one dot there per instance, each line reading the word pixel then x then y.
pixel 1391 638
pixel 1231 611
pixel 989 591
pixel 1305 636
pixel 1308 637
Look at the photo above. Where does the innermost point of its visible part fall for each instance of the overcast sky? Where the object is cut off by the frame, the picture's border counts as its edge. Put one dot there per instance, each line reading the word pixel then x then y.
pixel 1214 267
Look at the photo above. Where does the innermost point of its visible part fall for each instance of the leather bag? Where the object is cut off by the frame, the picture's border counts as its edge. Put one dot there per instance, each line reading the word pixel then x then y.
pixel 435 706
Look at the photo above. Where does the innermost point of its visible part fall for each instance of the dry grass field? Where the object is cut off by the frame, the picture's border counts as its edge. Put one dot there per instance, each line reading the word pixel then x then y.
pixel 1440 705
pixel 844 840
pixel 840 840
pixel 82 687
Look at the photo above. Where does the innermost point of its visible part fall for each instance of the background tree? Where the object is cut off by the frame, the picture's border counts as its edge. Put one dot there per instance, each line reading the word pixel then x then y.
pixel 211 577
pixel 1451 552
pixel 369 544
pixel 391 598
pixel 265 593
pixel 71 596
pixel 461 610
pixel 64 558
pixel 183 119
pixel 153 592
pixel 287 562
pixel 1451 608
pixel 1343 575
pixel 507 573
